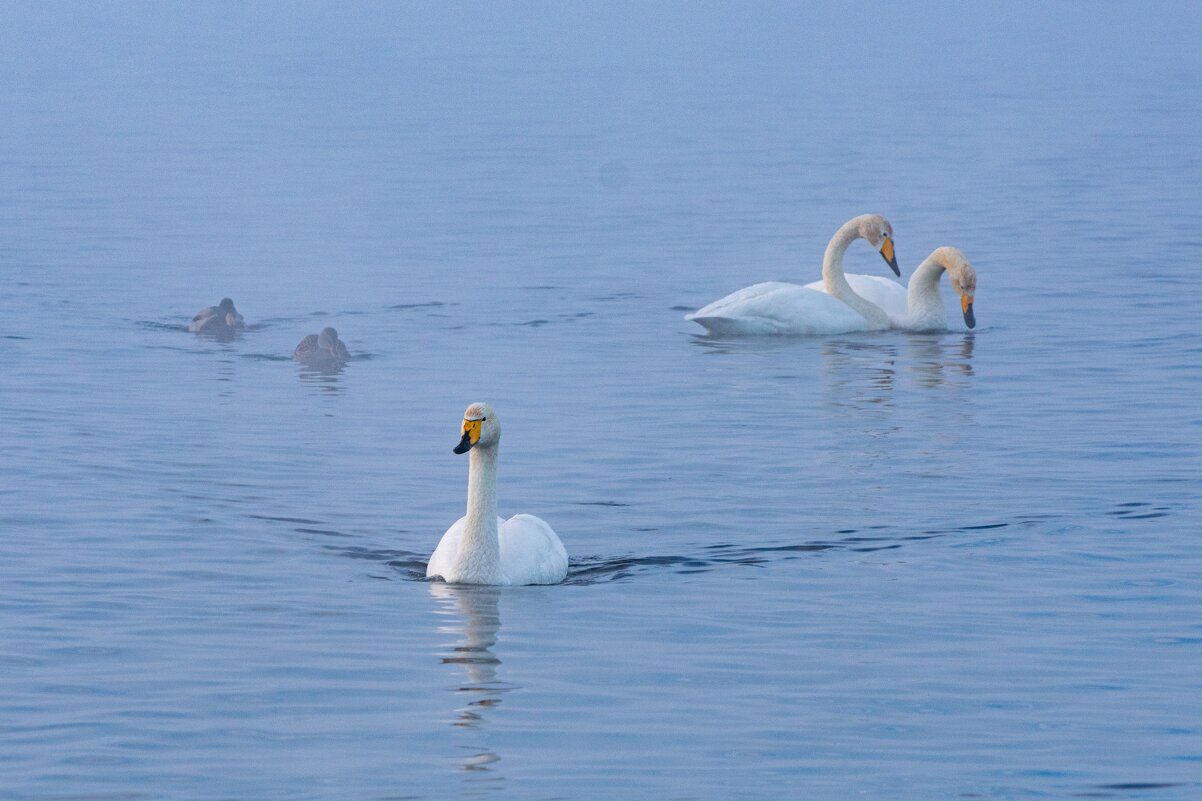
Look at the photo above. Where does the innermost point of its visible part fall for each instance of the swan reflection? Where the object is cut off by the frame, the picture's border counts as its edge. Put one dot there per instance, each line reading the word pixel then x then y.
pixel 861 372
pixel 475 620
pixel 940 359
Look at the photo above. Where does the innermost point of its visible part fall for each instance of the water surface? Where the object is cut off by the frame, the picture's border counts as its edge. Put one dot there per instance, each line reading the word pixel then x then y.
pixel 956 565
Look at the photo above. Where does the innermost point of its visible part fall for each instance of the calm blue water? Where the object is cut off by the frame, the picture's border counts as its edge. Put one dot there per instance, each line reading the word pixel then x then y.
pixel 875 566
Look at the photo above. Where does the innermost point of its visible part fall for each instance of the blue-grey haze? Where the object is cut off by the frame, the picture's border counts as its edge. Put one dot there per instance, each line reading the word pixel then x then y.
pixel 881 566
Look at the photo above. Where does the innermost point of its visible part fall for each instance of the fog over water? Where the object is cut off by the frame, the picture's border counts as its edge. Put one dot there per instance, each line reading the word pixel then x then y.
pixel 882 566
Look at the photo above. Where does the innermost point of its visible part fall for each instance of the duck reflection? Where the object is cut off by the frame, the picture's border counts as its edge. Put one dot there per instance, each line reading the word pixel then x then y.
pixel 938 359
pixel 324 376
pixel 477 622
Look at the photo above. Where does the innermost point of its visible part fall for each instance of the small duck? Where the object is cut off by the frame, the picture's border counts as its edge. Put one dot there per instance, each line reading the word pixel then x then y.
pixel 321 350
pixel 220 319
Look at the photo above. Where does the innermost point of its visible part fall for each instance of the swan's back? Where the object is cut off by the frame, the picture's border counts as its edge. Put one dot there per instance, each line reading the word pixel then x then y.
pixel 775 307
pixel 888 295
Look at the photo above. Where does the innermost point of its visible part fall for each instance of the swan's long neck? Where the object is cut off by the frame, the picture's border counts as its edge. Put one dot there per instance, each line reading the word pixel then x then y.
pixel 479 558
pixel 923 303
pixel 835 282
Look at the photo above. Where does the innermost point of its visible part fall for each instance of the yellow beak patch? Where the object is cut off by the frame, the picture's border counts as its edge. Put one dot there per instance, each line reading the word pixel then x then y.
pixel 471 428
pixel 965 302
pixel 887 249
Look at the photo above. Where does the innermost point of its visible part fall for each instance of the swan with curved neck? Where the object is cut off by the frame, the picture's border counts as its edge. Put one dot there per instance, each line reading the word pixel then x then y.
pixel 879 233
pixel 923 304
pixel 919 307
pixel 482 548
pixel 775 307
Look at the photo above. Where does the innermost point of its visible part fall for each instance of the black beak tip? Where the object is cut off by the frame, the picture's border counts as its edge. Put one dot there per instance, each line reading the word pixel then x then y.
pixel 970 319
pixel 464 445
pixel 892 262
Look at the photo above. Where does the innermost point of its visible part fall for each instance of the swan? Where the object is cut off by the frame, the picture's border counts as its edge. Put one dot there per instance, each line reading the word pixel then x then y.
pixel 919 307
pixel 220 319
pixel 482 548
pixel 779 308
pixel 321 350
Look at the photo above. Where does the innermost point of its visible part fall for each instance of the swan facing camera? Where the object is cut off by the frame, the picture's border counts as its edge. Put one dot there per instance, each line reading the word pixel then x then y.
pixel 471 432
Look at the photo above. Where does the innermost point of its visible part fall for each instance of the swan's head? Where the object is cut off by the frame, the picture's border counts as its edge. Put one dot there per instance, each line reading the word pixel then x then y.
pixel 879 233
pixel 963 280
pixel 480 428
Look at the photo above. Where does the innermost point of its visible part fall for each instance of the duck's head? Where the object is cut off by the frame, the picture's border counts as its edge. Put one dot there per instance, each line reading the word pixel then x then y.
pixel 328 339
pixel 227 312
pixel 963 280
pixel 481 429
pixel 879 233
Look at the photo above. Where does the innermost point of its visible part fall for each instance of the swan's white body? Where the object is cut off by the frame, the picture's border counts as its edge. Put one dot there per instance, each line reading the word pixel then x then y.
pixel 919 307
pixel 482 548
pixel 529 552
pixel 834 307
pixel 776 307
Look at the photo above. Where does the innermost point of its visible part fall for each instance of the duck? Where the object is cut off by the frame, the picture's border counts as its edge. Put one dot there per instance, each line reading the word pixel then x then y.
pixel 220 319
pixel 481 547
pixel 918 307
pixel 321 350
pixel 776 307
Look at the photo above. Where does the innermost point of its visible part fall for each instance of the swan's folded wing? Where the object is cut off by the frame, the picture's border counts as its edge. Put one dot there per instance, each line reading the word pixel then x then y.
pixel 884 292
pixel 889 295
pixel 531 552
pixel 443 558
pixel 778 308
pixel 739 299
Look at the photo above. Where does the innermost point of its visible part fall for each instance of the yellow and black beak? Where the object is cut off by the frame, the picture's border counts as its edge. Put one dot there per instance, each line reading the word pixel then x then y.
pixel 889 256
pixel 970 319
pixel 471 435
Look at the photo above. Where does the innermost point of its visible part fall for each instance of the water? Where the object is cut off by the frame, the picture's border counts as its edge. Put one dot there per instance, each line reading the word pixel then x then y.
pixel 872 566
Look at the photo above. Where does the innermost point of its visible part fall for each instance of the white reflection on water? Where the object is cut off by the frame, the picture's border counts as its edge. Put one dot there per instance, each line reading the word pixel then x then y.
pixel 939 359
pixel 477 621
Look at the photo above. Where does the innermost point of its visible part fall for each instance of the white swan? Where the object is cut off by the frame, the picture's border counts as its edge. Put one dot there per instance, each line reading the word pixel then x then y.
pixel 779 308
pixel 481 548
pixel 919 307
